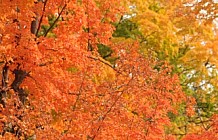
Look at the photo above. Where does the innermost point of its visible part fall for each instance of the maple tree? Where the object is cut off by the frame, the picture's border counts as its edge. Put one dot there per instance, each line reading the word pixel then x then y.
pixel 102 69
pixel 177 31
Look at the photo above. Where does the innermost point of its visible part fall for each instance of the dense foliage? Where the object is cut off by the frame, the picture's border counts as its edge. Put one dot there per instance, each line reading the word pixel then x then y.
pixel 108 69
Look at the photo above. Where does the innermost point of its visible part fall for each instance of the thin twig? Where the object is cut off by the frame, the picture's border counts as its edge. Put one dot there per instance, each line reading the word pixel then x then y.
pixel 104 62
pixel 79 94
pixel 56 20
pixel 201 120
pixel 40 21
pixel 109 110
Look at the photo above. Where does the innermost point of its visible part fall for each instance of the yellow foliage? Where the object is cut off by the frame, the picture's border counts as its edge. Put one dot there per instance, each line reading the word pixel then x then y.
pixel 106 74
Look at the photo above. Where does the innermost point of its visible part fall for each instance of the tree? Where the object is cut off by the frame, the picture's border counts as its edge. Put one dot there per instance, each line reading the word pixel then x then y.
pixel 39 68
pixel 83 70
pixel 177 32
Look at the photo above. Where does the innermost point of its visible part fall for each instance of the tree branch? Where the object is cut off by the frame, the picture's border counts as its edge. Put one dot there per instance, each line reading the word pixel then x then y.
pixel 109 110
pixel 78 95
pixel 3 92
pixel 56 20
pixel 104 62
pixel 20 75
pixel 40 21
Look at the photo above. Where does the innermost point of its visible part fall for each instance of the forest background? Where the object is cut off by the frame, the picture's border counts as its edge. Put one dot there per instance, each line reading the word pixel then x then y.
pixel 108 69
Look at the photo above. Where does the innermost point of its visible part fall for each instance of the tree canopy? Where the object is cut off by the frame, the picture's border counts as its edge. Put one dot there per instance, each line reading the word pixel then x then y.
pixel 108 69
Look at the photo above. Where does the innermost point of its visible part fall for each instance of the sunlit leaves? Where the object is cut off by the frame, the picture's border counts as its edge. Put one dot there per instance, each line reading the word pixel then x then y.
pixel 91 69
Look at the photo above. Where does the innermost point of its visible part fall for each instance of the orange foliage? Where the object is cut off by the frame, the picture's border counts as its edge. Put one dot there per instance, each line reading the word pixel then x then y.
pixel 49 90
pixel 211 133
